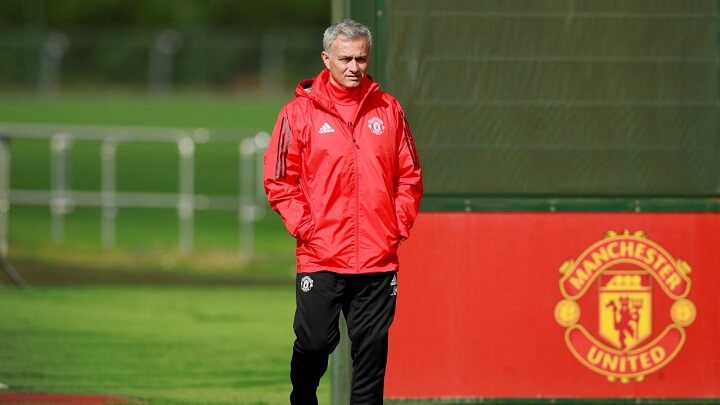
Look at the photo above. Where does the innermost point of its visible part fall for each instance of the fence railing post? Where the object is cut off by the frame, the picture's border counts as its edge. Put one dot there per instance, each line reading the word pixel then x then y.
pixel 60 203
pixel 51 55
pixel 162 60
pixel 4 192
pixel 108 151
pixel 186 203
pixel 246 208
pixel 5 265
pixel 272 61
pixel 262 139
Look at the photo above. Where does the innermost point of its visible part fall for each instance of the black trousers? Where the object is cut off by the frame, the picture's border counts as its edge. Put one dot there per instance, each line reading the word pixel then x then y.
pixel 368 304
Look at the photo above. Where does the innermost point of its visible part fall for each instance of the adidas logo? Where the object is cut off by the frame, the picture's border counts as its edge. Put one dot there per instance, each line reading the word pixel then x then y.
pixel 326 128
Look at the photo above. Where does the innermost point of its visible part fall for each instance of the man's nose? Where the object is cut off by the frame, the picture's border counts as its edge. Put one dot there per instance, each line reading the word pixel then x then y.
pixel 353 65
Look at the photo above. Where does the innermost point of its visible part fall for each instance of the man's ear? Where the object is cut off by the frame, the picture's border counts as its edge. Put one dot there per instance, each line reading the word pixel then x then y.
pixel 326 59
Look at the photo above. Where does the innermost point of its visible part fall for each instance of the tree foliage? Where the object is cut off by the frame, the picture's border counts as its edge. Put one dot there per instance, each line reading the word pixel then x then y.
pixel 166 13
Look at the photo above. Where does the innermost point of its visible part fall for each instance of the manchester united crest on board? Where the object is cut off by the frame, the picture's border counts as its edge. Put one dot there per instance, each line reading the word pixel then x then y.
pixel 625 306
pixel 376 125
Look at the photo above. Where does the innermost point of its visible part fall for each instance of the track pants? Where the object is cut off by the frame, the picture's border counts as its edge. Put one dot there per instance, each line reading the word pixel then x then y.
pixel 368 303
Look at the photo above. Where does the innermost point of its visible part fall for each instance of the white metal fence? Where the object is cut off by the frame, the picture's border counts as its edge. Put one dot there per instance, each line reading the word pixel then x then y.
pixel 60 198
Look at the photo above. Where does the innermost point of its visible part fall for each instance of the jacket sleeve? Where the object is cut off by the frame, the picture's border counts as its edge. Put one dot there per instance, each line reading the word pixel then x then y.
pixel 282 168
pixel 410 186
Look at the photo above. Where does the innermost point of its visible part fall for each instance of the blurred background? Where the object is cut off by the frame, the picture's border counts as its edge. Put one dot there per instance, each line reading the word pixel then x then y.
pixel 124 124
pixel 132 218
pixel 159 45
pixel 132 132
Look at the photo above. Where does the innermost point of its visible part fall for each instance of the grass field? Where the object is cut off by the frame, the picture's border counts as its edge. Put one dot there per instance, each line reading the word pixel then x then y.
pixel 143 320
pixel 192 109
pixel 179 345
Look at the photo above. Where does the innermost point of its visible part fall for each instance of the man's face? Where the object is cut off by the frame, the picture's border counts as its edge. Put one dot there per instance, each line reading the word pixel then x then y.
pixel 347 61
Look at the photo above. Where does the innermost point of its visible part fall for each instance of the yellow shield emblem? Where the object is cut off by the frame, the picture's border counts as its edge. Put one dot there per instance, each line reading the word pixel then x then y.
pixel 625 304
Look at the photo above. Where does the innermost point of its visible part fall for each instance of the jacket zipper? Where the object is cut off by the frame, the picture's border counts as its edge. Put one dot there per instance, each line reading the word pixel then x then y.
pixel 352 134
pixel 357 199
pixel 351 127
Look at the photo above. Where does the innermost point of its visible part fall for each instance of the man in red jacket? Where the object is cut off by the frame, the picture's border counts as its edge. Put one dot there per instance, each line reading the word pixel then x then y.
pixel 343 173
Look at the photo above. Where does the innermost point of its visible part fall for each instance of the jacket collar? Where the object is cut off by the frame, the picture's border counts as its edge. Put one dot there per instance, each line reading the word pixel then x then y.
pixel 317 89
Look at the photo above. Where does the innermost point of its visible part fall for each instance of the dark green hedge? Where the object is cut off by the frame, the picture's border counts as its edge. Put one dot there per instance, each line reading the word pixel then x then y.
pixel 63 14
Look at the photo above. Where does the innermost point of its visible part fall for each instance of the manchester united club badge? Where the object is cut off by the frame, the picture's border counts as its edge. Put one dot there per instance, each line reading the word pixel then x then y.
pixel 625 306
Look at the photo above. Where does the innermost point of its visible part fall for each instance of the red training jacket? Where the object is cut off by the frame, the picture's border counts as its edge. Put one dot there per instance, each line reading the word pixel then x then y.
pixel 348 192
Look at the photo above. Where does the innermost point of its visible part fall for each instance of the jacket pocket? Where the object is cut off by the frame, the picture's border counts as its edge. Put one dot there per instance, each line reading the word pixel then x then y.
pixel 305 228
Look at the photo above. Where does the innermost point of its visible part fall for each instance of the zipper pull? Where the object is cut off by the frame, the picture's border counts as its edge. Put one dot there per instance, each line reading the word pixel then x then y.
pixel 350 125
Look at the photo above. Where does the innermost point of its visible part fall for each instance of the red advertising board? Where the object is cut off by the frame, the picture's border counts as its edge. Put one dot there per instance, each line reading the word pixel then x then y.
pixel 561 305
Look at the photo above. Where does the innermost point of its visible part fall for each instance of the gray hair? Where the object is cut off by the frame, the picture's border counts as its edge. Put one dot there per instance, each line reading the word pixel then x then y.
pixel 347 28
